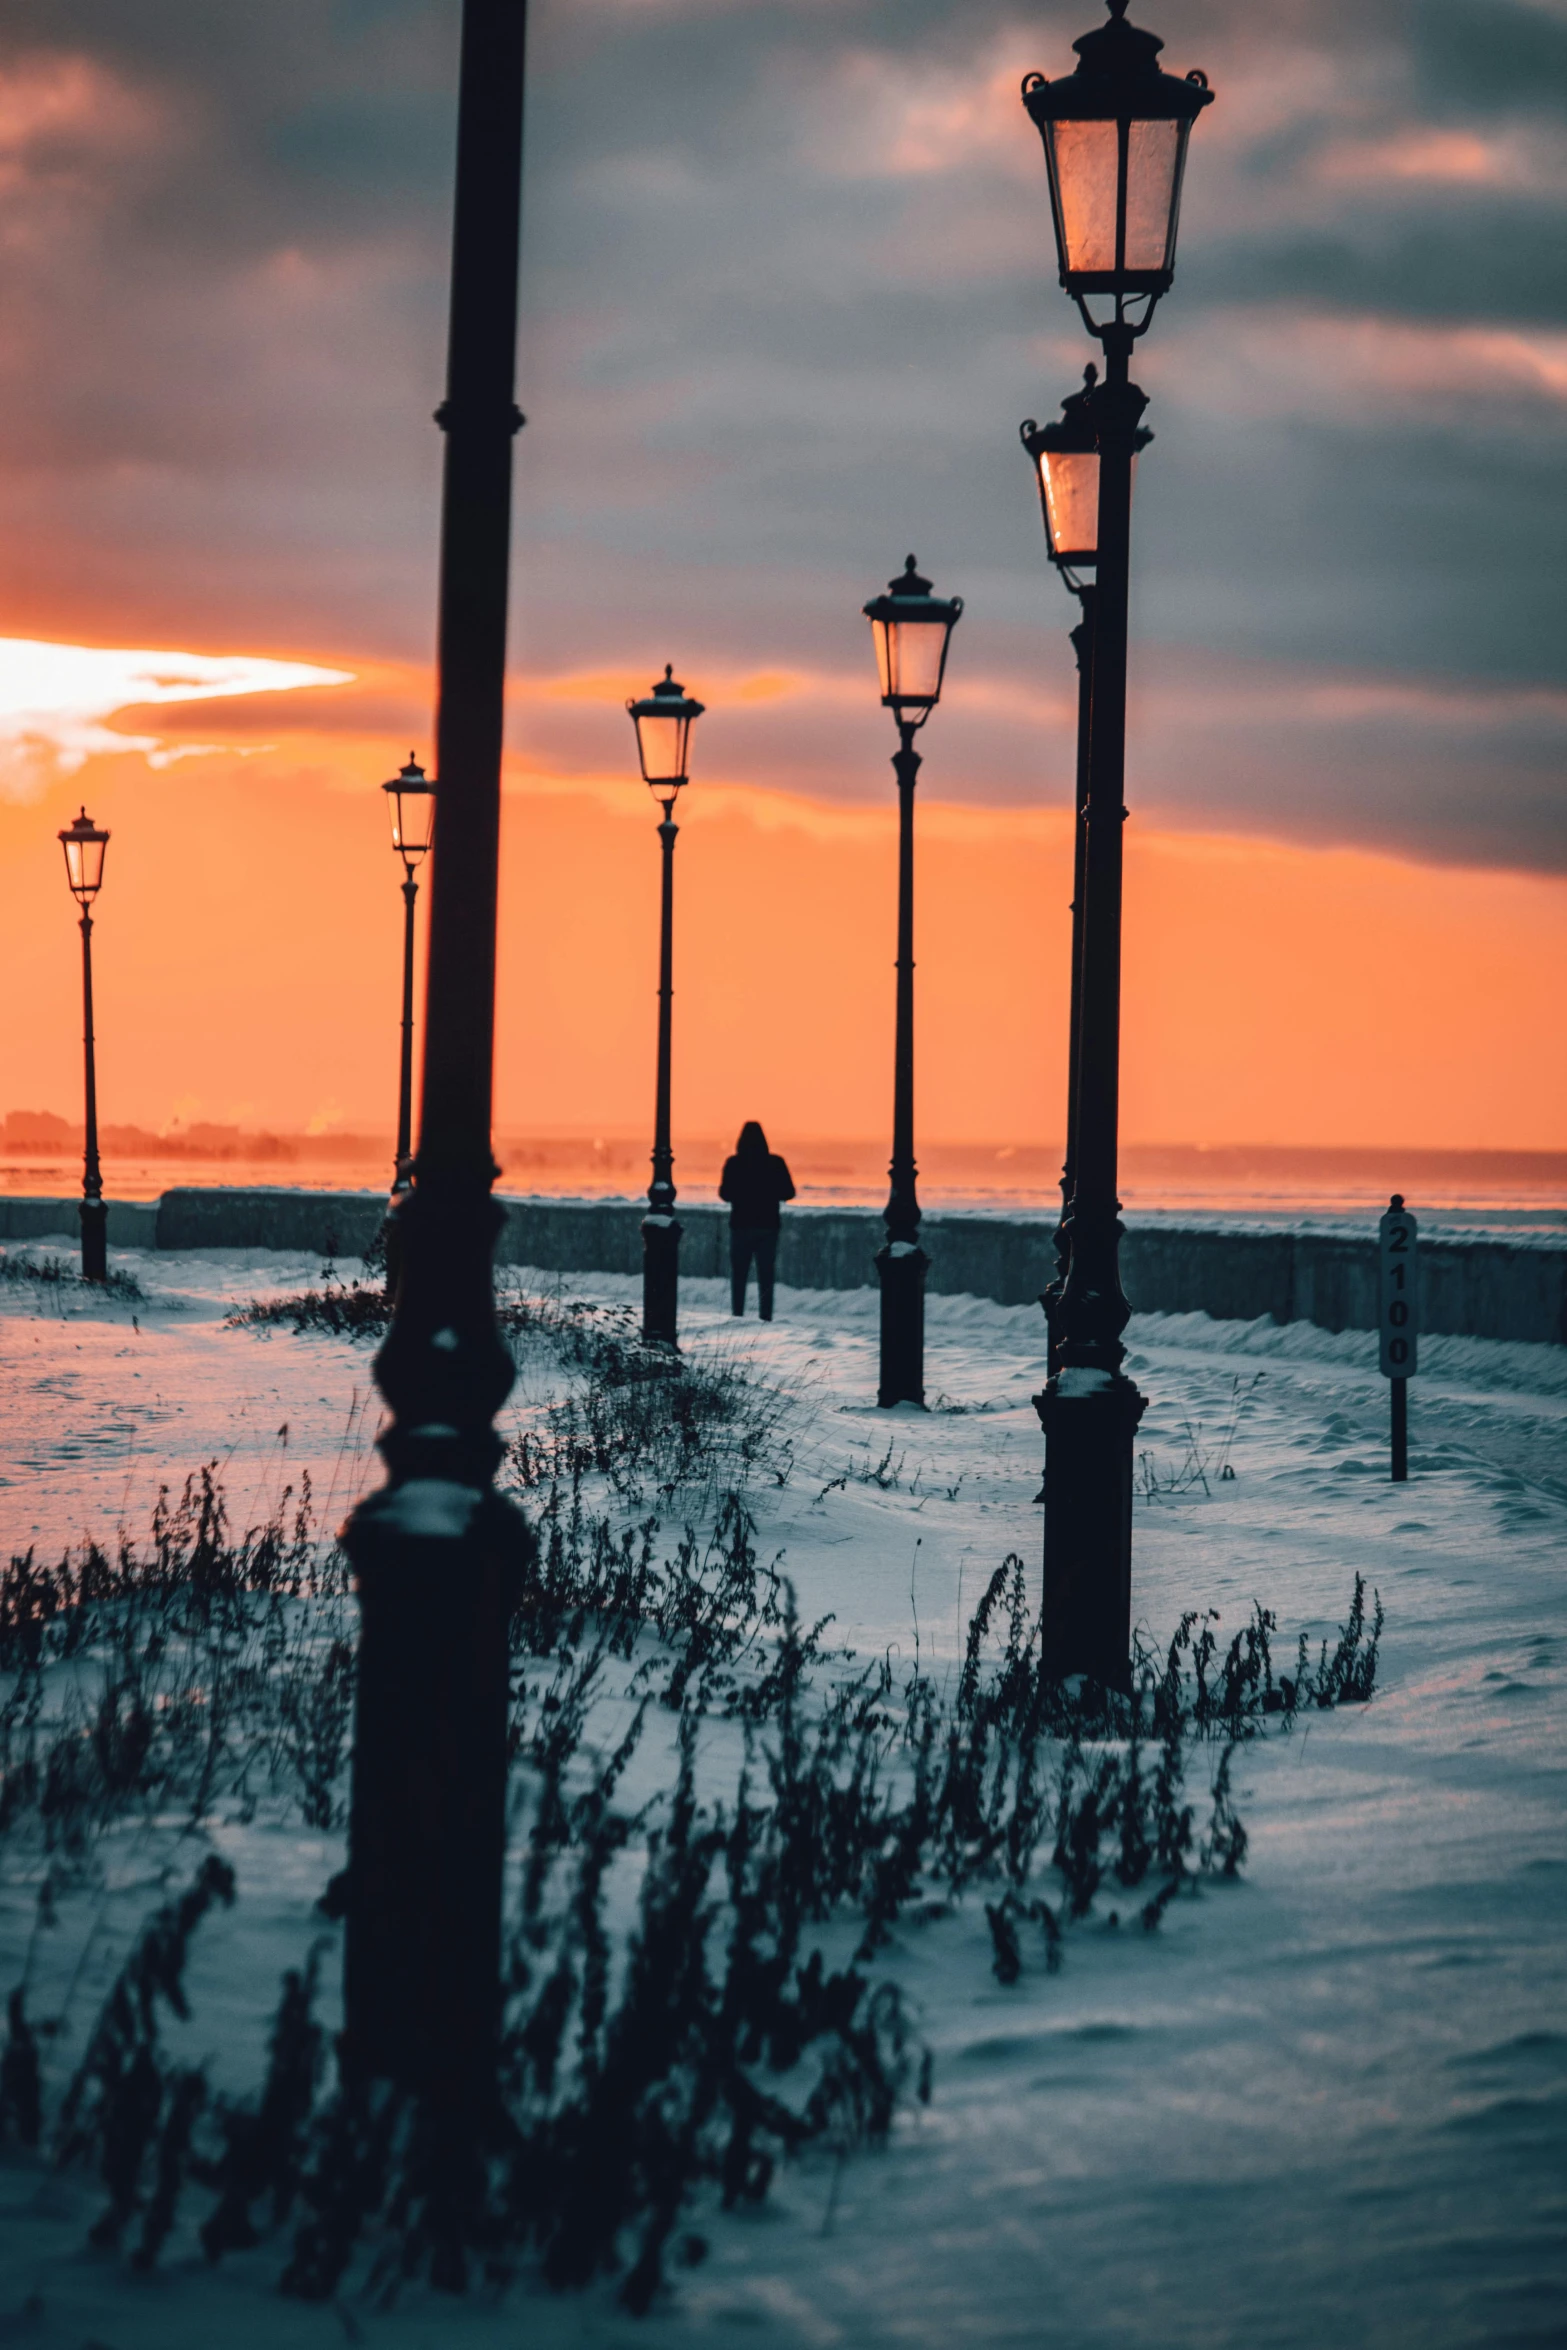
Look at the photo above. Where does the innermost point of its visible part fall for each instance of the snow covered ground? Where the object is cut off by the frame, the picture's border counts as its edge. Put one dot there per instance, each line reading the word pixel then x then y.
pixel 1328 2102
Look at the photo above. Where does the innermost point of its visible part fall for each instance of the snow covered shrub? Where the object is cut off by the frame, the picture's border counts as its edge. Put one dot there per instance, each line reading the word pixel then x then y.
pixel 264 2144
pixel 727 1829
pixel 1349 1676
pixel 338 1308
pixel 21 2079
pixel 126 2102
pixel 62 1274
pixel 314 1704
pixel 1224 1846
pixel 1201 1463
pixel 169 1675
pixel 692 1425
pixel 694 2071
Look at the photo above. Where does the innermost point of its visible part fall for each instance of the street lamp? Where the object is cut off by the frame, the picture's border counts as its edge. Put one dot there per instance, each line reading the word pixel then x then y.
pixel 410 803
pixel 84 847
pixel 1065 456
pixel 911 629
pixel 663 720
pixel 437 1553
pixel 1115 133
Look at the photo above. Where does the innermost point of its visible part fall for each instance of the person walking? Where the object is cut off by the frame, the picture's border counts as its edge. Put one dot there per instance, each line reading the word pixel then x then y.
pixel 756 1182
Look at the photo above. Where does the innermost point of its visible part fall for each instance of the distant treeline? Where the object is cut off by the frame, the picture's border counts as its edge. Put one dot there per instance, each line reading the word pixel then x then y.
pixel 40 1133
pixel 1220 1168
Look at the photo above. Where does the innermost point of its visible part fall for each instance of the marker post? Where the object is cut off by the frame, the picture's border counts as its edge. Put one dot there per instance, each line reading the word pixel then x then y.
pixel 1399 1319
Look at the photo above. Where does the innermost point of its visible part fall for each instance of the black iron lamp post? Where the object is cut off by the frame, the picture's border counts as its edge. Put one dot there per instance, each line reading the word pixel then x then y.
pixel 912 629
pixel 436 1551
pixel 84 847
pixel 1065 457
pixel 410 802
pixel 1115 133
pixel 663 720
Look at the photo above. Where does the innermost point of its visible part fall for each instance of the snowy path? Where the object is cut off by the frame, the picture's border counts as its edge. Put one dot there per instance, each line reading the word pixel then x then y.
pixel 1327 2103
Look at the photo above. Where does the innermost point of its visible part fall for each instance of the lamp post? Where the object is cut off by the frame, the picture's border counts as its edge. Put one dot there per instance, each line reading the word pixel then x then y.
pixel 911 629
pixel 436 1551
pixel 1065 456
pixel 663 720
pixel 1115 133
pixel 410 803
pixel 84 847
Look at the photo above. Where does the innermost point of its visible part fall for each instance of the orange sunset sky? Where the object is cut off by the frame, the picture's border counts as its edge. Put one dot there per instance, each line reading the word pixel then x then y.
pixel 787 291
pixel 249 931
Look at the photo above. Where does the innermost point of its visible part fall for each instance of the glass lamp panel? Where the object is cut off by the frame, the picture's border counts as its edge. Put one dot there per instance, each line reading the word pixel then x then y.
pixel 413 821
pixel 662 744
pixel 1085 165
pixel 881 637
pixel 915 656
pixel 84 861
pixel 1153 157
pixel 1072 500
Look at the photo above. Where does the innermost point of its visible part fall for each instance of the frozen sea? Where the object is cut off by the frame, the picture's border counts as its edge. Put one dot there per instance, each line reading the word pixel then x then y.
pixel 1325 2103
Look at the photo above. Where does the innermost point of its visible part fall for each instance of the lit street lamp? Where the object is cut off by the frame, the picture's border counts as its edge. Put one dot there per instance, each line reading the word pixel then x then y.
pixel 1065 457
pixel 1115 133
pixel 410 803
pixel 912 629
pixel 437 1552
pixel 663 720
pixel 84 847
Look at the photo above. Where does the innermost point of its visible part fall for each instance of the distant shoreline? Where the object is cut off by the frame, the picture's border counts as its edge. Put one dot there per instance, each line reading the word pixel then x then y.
pixel 1268 1181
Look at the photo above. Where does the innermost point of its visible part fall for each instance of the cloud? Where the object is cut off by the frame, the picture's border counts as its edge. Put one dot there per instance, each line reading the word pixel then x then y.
pixel 1467 769
pixel 1488 56
pixel 54 700
pixel 1295 361
pixel 1428 153
pixel 788 287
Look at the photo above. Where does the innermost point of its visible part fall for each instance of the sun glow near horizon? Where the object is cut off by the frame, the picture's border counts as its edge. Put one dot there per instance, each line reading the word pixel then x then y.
pixel 55 700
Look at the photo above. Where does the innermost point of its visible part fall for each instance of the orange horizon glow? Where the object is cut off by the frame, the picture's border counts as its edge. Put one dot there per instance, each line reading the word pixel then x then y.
pixel 247 943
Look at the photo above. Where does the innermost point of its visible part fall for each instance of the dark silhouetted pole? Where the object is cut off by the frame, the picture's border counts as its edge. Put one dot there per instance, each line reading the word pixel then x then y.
pixel 436 1550
pixel 1115 133
pixel 403 1178
pixel 1398 1315
pixel 1083 647
pixel 95 1214
pixel 663 719
pixel 1089 1408
pixel 660 1231
pixel 911 629
pixel 410 801
pixel 1064 455
pixel 901 1263
pixel 85 847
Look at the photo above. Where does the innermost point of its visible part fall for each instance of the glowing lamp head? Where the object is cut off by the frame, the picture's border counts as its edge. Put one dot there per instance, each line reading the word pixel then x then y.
pixel 410 802
pixel 663 719
pixel 911 629
pixel 1115 134
pixel 1066 459
pixel 84 846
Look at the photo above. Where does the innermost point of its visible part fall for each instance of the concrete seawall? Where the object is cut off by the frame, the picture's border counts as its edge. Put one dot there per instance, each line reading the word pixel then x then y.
pixel 1478 1288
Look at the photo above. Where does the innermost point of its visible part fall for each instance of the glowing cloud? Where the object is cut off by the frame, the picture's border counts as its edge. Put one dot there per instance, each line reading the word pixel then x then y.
pixel 1296 361
pixel 55 698
pixel 1428 154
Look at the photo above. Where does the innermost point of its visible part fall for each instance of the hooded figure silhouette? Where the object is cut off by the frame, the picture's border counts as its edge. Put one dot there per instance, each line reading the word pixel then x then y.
pixel 755 1183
